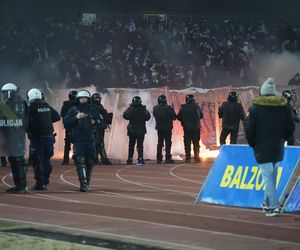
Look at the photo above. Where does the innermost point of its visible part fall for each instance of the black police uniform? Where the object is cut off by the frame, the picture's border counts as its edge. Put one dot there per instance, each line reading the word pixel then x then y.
pixel 64 109
pixel 288 95
pixel 100 132
pixel 189 115
pixel 41 117
pixel 164 116
pixel 13 123
pixel 231 113
pixel 137 114
pixel 83 138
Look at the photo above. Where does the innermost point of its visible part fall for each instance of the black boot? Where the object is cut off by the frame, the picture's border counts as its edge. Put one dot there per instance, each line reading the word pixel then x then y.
pixel 89 169
pixel 104 158
pixel 82 174
pixel 19 175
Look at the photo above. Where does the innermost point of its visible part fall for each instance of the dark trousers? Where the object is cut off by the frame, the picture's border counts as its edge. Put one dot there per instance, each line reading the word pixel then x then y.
pixel 19 171
pixel 84 154
pixel 189 138
pixel 67 147
pixel 233 135
pixel 164 136
pixel 100 147
pixel 3 161
pixel 41 151
pixel 139 140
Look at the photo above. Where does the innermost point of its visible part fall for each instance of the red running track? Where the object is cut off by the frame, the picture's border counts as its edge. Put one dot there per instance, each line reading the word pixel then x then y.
pixel 151 205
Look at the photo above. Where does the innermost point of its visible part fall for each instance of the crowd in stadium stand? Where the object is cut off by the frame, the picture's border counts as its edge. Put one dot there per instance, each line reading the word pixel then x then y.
pixel 138 53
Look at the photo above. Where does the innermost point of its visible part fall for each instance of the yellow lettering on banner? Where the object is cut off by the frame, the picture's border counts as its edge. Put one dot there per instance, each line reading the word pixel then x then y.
pixel 243 185
pixel 237 178
pixel 254 171
pixel 279 174
pixel 227 176
pixel 258 186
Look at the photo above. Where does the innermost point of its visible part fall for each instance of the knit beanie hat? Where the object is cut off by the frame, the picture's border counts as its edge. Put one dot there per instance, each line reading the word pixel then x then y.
pixel 268 87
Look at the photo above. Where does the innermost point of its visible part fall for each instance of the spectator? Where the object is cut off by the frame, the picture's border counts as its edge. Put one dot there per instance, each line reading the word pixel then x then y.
pixel 267 127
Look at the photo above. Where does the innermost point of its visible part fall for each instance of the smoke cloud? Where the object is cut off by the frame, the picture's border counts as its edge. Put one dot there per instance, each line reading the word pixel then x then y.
pixel 281 67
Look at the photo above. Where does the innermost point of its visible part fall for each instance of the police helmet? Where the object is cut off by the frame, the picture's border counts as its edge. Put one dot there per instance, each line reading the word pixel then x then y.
pixel 232 96
pixel 83 93
pixel 34 94
pixel 96 98
pixel 136 100
pixel 287 94
pixel 9 89
pixel 72 95
pixel 162 99
pixel 190 99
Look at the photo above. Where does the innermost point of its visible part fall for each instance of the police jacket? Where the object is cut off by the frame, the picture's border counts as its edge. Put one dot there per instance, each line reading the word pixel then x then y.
pixel 294 112
pixel 41 117
pixel 13 124
pixel 137 116
pixel 83 130
pixel 231 114
pixel 164 116
pixel 267 126
pixel 65 107
pixel 107 117
pixel 189 115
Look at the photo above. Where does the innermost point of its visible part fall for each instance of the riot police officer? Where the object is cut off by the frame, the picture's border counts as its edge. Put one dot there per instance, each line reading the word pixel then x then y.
pixel 13 122
pixel 100 147
pixel 231 113
pixel 164 116
pixel 41 117
pixel 80 120
pixel 190 115
pixel 64 109
pixel 289 96
pixel 137 114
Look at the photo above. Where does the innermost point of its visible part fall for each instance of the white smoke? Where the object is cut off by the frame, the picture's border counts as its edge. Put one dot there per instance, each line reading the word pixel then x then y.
pixel 281 67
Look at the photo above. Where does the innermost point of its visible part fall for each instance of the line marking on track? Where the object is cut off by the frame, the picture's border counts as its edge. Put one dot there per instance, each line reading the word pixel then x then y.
pixel 181 178
pixel 125 196
pixel 57 198
pixel 139 221
pixel 149 186
pixel 66 200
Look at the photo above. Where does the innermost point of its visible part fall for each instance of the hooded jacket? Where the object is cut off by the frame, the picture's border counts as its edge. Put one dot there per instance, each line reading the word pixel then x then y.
pixel 267 126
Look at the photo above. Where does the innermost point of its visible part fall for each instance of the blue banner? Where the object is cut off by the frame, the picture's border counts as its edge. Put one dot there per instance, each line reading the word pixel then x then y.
pixel 293 202
pixel 235 178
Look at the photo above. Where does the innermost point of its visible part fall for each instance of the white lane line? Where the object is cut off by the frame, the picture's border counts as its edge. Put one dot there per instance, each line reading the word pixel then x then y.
pixel 57 198
pixel 149 186
pixel 125 196
pixel 60 199
pixel 181 178
pixel 128 238
pixel 138 221
pixel 3 180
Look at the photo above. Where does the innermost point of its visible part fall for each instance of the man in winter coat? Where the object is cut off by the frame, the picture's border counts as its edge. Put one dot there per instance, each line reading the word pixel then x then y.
pixel 164 116
pixel 231 113
pixel 267 126
pixel 190 115
pixel 137 114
